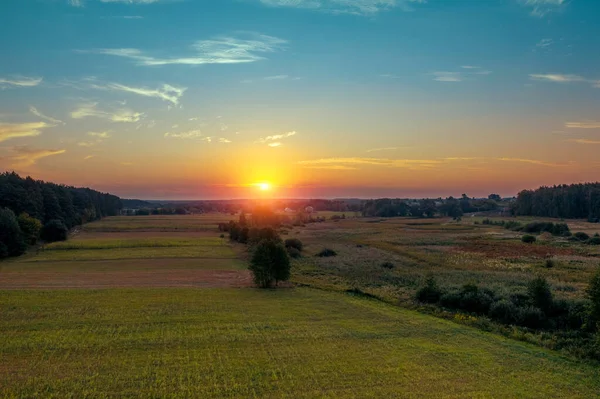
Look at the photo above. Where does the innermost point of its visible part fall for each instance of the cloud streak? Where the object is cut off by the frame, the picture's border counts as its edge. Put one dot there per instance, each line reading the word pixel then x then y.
pixel 583 125
pixel 275 139
pixel 19 81
pixel 354 7
pixel 192 134
pixel 116 115
pixel 243 48
pixel 539 8
pixel 37 113
pixel 564 78
pixel 26 156
pixel 15 130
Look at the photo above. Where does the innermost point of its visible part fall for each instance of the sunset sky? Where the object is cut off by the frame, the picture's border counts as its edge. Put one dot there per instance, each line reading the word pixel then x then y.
pixel 205 99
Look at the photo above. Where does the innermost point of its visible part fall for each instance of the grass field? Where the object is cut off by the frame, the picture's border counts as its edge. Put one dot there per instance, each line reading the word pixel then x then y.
pixel 252 343
pixel 161 306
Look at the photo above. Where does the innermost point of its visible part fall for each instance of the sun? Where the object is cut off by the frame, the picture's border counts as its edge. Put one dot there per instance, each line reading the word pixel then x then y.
pixel 264 186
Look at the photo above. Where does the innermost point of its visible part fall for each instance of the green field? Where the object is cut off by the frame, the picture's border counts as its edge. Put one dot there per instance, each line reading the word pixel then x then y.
pixel 161 306
pixel 252 343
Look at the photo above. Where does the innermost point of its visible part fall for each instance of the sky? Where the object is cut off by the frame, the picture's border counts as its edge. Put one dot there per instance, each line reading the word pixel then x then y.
pixel 207 99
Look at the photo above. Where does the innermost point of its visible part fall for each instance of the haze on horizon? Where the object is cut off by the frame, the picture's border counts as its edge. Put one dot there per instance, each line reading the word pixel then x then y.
pixel 183 99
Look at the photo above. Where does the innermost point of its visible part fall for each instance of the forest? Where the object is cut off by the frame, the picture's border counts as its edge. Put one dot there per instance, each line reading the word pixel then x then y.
pixel 32 208
pixel 573 201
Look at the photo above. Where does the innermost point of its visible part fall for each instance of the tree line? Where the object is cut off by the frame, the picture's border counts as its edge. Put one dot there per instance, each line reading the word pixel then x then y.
pixel 573 201
pixel 32 209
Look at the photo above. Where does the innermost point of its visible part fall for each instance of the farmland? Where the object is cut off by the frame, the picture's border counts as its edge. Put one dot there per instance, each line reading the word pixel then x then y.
pixel 162 306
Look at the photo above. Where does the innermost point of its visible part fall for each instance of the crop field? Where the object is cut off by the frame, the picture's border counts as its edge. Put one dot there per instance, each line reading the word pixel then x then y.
pixel 162 306
pixel 251 343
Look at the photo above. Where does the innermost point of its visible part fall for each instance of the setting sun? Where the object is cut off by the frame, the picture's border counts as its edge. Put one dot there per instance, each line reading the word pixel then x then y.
pixel 264 186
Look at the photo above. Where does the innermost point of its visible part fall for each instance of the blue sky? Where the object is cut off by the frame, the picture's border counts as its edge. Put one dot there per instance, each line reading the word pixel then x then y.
pixel 320 97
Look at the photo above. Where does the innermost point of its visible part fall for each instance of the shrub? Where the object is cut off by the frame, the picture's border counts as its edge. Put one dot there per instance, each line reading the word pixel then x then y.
pixel 581 236
pixel 530 317
pixel 270 263
pixel 539 293
pixel 430 292
pixel 593 293
pixel 326 252
pixel 3 250
pixel 54 230
pixel 10 234
pixel 30 227
pixel 222 236
pixel 503 311
pixel 294 243
pixel 549 263
pixel 475 300
pixel 294 252
pixel 387 265
pixel 512 225
pixel 528 239
pixel 593 241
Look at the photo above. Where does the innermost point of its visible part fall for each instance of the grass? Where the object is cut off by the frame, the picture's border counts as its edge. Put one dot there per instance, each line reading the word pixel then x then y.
pixel 133 253
pixel 252 343
pixel 108 243
pixel 204 222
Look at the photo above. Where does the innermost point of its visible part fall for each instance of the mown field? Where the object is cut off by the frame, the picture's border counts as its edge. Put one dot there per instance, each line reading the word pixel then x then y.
pixel 251 343
pixel 162 306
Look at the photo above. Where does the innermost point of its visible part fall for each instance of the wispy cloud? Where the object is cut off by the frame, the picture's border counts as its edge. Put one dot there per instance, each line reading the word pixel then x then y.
pixel 447 76
pixel 276 77
pixel 355 7
pixel 81 3
pixel 275 144
pixel 275 137
pixel 331 167
pixel 544 43
pixel 564 78
pixel 411 164
pixel 540 8
pixel 19 81
pixel 115 115
pixel 88 157
pixel 382 149
pixel 224 140
pixel 166 92
pixel 14 130
pixel 585 141
pixel 393 163
pixel 100 135
pixel 192 134
pixel 583 125
pixel 26 156
pixel 557 77
pixel 529 161
pixel 243 48
pixel 37 113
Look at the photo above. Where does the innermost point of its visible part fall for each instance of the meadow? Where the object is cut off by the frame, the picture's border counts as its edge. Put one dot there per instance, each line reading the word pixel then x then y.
pixel 126 310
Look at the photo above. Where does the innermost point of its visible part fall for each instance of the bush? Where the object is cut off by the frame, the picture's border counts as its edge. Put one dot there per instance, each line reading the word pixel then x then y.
pixel 430 292
pixel 530 317
pixel 528 239
pixel 387 265
pixel 503 311
pixel 539 293
pixel 294 252
pixel 581 236
pixel 593 293
pixel 327 253
pixel 593 241
pixel 270 263
pixel 294 243
pixel 549 263
pixel 30 227
pixel 3 251
pixel 222 236
pixel 54 230
pixel 10 234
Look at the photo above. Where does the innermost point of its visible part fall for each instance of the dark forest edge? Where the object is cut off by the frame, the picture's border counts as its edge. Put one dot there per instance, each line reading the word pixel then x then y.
pixel 33 209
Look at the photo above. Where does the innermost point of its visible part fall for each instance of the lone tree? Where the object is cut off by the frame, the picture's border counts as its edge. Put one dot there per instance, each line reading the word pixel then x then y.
pixel 270 263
